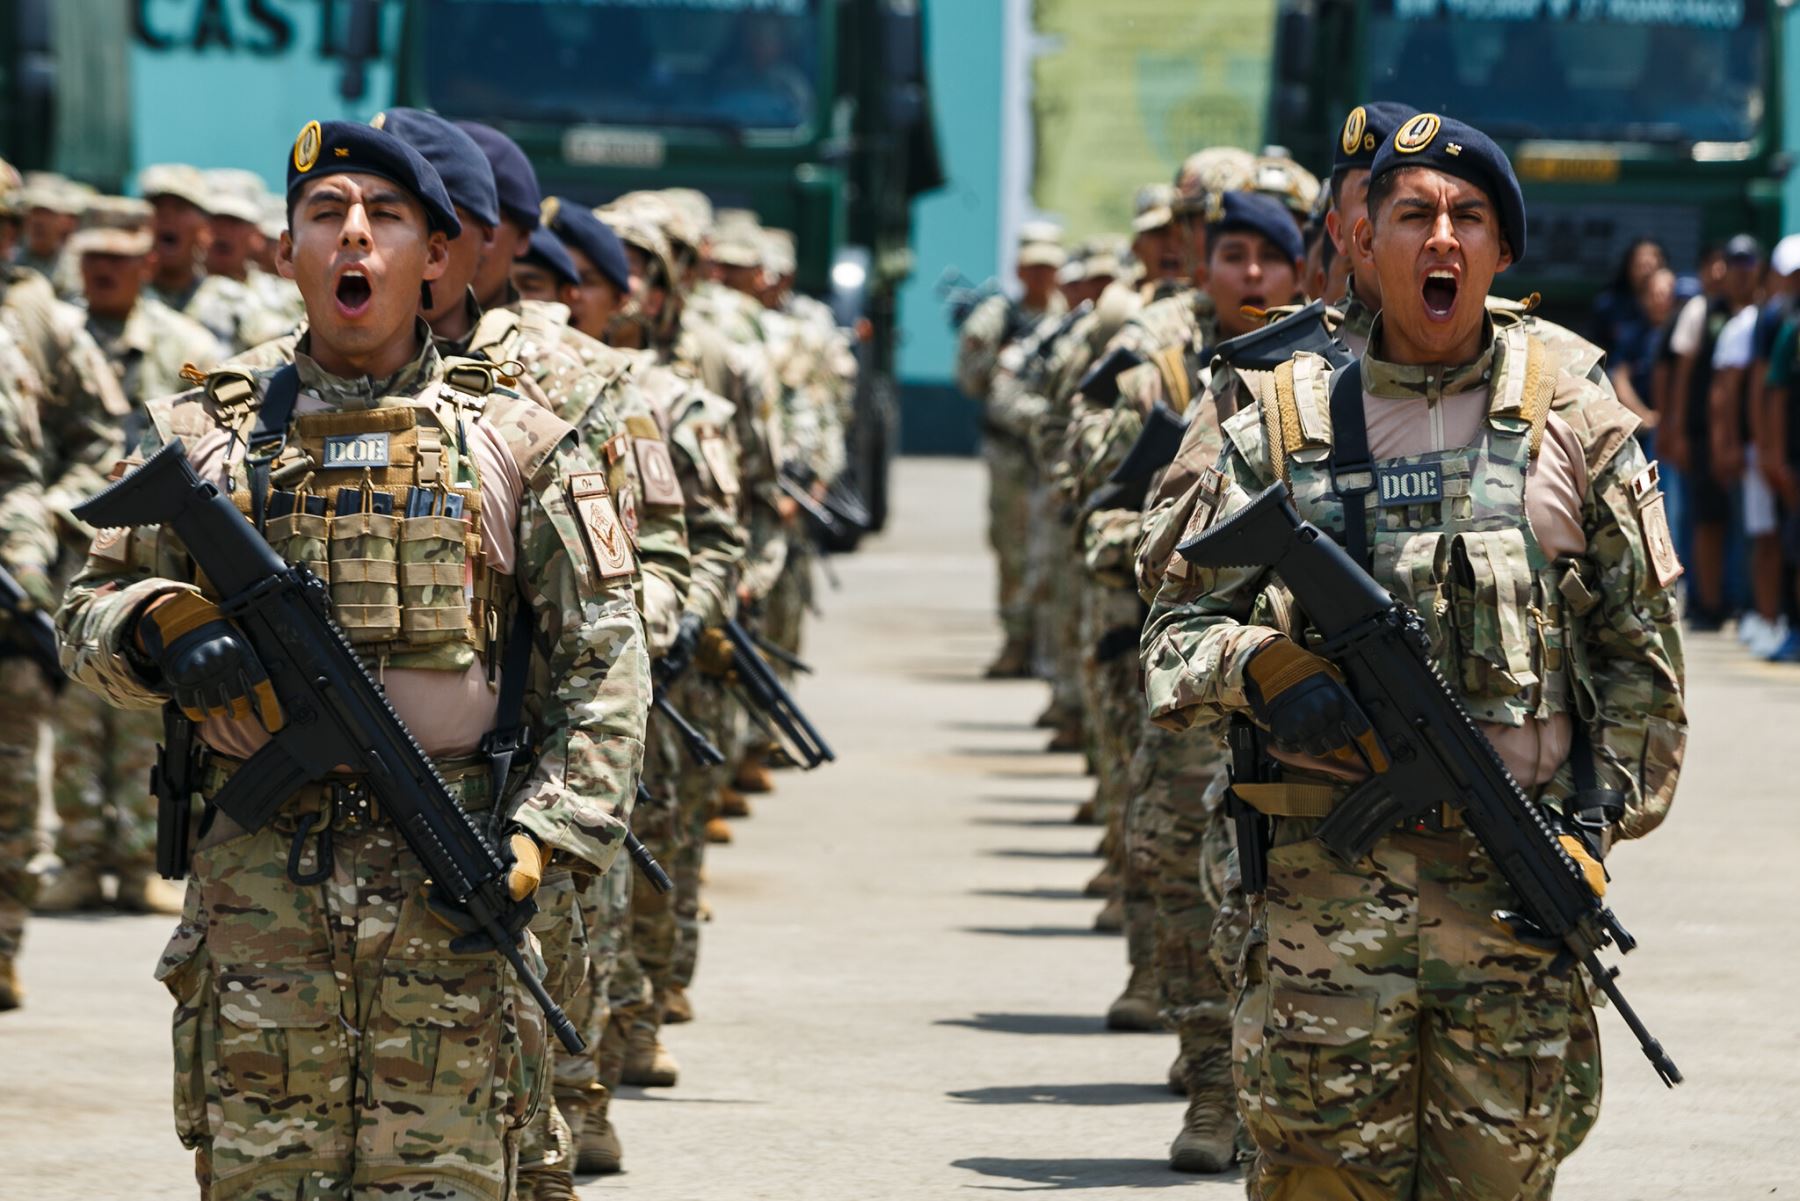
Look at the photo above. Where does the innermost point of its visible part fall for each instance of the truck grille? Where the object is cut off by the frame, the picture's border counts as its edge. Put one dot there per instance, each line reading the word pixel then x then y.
pixel 1583 243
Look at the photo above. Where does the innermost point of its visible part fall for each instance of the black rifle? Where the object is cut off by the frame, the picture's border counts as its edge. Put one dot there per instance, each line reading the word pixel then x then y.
pixel 640 854
pixel 962 296
pixel 1101 383
pixel 700 748
pixel 1046 342
pixel 333 712
pixel 770 704
pixel 1272 345
pixel 1430 748
pixel 1128 487
pixel 37 633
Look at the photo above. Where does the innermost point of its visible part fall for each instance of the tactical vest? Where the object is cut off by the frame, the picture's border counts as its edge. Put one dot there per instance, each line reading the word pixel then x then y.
pixel 384 505
pixel 1448 534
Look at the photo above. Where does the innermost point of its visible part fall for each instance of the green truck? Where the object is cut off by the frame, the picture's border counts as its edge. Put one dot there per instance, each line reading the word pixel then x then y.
pixel 815 113
pixel 1624 118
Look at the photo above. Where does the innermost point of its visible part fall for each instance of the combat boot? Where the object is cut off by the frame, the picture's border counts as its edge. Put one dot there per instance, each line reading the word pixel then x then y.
pixel 1086 814
pixel 1178 1076
pixel 12 993
pixel 546 1184
pixel 1208 1141
pixel 1068 737
pixel 599 1153
pixel 146 892
pixel 1136 1008
pixel 1049 719
pixel 676 1006
pixel 1111 918
pixel 752 775
pixel 718 830
pixel 1102 885
pixel 648 1063
pixel 69 890
pixel 733 803
pixel 1012 663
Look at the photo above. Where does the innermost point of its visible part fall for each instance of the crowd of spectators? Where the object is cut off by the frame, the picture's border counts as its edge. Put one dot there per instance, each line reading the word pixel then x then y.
pixel 1711 361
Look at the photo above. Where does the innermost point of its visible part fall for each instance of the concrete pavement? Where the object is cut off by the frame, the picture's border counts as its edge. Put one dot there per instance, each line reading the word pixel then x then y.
pixel 900 996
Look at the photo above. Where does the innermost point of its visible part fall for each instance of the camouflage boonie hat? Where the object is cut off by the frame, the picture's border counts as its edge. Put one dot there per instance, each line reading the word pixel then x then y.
pixel 635 225
pixel 118 212
pixel 125 243
pixel 1040 245
pixel 779 253
pixel 175 179
pixel 233 192
pixel 737 239
pixel 1101 257
pixel 274 221
pixel 12 186
pixel 1153 207
pixel 57 193
pixel 1208 174
pixel 693 205
pixel 1278 175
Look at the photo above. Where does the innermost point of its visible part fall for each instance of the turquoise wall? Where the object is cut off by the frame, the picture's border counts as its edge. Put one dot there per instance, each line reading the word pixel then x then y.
pixel 957 226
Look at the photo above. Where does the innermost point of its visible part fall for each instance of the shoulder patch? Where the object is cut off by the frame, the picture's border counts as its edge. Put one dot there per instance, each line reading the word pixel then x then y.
pixel 657 471
pixel 1653 523
pixel 608 543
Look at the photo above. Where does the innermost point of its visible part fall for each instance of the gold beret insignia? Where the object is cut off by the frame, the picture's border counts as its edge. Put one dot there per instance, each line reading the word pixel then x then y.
pixel 306 147
pixel 1354 125
pixel 1417 134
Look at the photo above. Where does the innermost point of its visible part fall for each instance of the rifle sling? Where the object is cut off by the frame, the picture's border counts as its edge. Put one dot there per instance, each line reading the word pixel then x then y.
pixel 1352 468
pixel 509 736
pixel 268 436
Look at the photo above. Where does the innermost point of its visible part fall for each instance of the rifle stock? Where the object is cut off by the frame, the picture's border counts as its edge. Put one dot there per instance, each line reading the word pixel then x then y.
pixel 1434 750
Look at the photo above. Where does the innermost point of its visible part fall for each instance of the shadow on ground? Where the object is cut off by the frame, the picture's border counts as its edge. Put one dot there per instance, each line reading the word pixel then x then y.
pixel 1041 931
pixel 1136 1093
pixel 1030 1023
pixel 1032 894
pixel 1048 853
pixel 1051 1175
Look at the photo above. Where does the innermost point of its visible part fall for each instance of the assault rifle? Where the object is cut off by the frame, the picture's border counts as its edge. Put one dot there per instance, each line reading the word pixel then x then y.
pixel 961 296
pixel 770 704
pixel 1430 749
pixel 332 711
pixel 37 633
pixel 1128 487
pixel 1271 345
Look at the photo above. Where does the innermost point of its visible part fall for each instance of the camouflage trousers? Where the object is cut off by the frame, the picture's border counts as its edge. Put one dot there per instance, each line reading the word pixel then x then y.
pixel 1009 532
pixel 705 703
pixel 560 927
pixel 1044 557
pixel 1176 791
pixel 653 932
pixel 1118 713
pixel 24 699
pixel 577 1077
pixel 1392 1042
pixel 1062 630
pixel 102 785
pixel 329 1044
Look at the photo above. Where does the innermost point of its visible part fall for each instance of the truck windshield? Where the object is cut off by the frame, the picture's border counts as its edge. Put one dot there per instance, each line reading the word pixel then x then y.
pixel 1669 71
pixel 733 65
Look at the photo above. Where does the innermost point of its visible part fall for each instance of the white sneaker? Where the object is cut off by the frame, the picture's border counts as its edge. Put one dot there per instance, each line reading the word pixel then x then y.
pixel 1773 634
pixel 1751 628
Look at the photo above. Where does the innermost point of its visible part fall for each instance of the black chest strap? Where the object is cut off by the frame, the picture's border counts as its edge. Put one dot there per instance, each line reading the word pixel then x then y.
pixel 1352 467
pixel 268 437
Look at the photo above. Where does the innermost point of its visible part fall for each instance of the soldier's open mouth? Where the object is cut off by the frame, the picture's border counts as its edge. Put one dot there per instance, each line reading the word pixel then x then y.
pixel 1439 293
pixel 353 293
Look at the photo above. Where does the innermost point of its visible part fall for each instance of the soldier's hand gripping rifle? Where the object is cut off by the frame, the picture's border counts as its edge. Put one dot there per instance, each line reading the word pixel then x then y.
pixel 37 633
pixel 663 674
pixel 770 704
pixel 1430 749
pixel 333 712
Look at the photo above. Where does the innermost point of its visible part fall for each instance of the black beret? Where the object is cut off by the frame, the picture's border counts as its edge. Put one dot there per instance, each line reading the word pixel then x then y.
pixel 1258 213
pixel 351 148
pixel 1365 130
pixel 1446 144
pixel 581 230
pixel 514 177
pixel 458 161
pixel 548 252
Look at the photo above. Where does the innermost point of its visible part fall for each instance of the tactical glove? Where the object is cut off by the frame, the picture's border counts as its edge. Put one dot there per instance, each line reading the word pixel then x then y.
pixel 527 870
pixel 714 653
pixel 687 640
pixel 208 667
pixel 1301 699
pixel 1584 859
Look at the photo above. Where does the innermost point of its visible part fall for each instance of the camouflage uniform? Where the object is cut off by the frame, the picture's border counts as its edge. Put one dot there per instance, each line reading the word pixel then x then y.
pixel 982 339
pixel 1168 335
pixel 239 313
pixel 252 963
pixel 29 548
pixel 102 760
pixel 1349 974
pixel 586 383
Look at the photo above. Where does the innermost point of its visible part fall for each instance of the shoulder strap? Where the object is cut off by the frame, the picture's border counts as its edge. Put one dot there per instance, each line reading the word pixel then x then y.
pixel 1539 391
pixel 268 437
pixel 509 737
pixel 1352 467
pixel 1281 421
